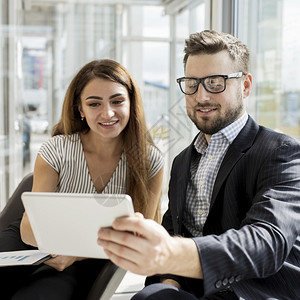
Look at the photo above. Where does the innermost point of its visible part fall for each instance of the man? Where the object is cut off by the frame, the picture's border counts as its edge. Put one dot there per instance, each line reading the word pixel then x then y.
pixel 232 225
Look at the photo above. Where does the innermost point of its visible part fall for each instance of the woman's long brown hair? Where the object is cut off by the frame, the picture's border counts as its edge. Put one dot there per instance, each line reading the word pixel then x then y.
pixel 136 136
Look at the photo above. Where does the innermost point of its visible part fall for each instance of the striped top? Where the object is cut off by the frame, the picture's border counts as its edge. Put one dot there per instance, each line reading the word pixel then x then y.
pixel 66 156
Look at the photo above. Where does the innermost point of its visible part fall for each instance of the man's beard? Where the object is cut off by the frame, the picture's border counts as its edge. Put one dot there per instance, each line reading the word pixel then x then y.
pixel 208 126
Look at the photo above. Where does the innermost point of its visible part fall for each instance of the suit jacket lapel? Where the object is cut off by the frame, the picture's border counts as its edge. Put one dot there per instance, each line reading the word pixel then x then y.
pixel 182 177
pixel 236 150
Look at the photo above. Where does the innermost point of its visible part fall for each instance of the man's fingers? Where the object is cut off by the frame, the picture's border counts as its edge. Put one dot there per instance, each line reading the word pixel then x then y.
pixel 135 244
pixel 125 264
pixel 119 250
pixel 124 249
pixel 138 225
pixel 108 237
pixel 128 259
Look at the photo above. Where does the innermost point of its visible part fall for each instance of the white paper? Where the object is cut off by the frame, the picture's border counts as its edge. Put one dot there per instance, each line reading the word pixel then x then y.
pixel 22 257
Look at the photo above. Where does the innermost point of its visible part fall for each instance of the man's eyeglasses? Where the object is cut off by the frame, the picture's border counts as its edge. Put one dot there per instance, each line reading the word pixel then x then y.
pixel 214 84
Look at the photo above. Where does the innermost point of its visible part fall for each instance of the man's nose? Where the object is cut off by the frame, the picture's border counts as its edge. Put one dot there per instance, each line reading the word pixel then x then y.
pixel 202 93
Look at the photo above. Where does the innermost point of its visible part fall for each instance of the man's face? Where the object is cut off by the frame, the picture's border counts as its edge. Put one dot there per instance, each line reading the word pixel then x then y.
pixel 212 112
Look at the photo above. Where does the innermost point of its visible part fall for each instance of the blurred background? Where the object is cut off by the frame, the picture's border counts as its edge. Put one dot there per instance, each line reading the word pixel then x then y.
pixel 43 43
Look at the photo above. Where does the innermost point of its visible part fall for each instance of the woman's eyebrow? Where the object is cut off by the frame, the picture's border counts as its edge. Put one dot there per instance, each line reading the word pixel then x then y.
pixel 94 97
pixel 116 95
pixel 100 98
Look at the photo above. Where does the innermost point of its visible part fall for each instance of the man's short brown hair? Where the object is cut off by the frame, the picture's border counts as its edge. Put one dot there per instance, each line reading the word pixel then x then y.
pixel 212 42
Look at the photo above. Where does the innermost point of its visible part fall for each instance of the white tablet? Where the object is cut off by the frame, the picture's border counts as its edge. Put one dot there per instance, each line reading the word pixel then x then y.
pixel 67 223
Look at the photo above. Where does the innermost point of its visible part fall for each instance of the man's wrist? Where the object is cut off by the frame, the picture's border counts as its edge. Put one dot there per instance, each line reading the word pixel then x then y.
pixel 185 251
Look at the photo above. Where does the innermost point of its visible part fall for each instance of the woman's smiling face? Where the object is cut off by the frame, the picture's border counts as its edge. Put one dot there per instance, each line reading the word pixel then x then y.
pixel 105 105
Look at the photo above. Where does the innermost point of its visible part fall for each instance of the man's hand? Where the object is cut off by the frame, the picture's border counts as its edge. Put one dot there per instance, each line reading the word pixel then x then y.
pixel 144 247
pixel 60 262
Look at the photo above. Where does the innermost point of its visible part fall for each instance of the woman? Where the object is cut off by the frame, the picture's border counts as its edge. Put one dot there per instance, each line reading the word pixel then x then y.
pixel 100 145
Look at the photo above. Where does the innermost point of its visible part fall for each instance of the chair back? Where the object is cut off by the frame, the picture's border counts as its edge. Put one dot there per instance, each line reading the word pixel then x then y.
pixel 14 208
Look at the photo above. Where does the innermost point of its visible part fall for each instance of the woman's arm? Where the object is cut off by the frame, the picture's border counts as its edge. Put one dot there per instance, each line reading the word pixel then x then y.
pixel 44 180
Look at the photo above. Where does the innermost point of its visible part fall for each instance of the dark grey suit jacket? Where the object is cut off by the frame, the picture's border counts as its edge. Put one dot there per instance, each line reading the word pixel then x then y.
pixel 251 239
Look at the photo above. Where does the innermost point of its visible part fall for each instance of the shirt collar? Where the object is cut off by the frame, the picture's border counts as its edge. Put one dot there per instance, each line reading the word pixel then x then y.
pixel 230 132
pixel 233 129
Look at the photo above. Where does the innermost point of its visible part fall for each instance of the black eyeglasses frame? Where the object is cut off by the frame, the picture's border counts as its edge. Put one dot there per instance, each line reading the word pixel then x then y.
pixel 201 80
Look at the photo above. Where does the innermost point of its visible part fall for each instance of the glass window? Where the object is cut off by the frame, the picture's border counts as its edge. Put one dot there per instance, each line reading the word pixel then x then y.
pixel 269 29
pixel 155 23
pixel 182 25
pixel 44 44
pixel 182 130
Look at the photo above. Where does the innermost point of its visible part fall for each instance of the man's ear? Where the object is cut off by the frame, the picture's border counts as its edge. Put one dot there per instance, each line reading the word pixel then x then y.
pixel 247 85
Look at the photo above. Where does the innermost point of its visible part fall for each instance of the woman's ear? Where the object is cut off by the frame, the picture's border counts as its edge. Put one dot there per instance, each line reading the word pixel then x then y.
pixel 80 111
pixel 247 85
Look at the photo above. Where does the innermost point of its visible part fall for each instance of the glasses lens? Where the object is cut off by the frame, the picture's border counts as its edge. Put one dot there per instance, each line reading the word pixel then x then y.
pixel 188 86
pixel 215 84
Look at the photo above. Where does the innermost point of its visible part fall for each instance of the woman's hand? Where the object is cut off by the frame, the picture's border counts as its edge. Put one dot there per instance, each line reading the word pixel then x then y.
pixel 60 262
pixel 171 282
